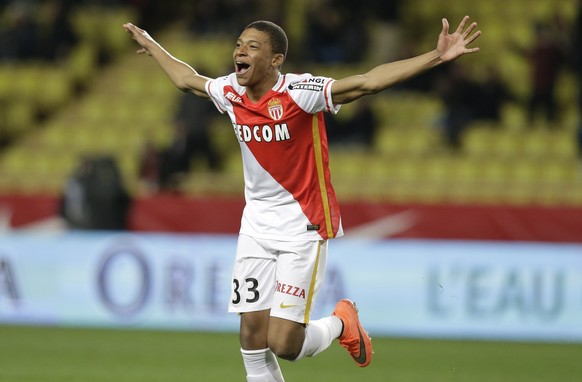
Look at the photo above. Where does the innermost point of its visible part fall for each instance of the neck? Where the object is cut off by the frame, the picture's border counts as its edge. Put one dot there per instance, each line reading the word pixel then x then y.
pixel 257 91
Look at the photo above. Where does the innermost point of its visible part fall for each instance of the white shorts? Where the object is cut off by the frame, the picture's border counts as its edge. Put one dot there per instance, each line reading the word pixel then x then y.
pixel 283 276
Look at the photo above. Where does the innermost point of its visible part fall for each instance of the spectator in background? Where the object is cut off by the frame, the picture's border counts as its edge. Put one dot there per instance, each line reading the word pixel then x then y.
pixel 493 95
pixel 74 207
pixel 59 36
pixel 163 170
pixel 33 33
pixel 546 58
pixel 337 33
pixel 19 36
pixel 386 36
pixel 357 130
pixel 460 97
pixel 227 16
pixel 175 160
pixel 95 197
pixel 194 117
pixel 467 100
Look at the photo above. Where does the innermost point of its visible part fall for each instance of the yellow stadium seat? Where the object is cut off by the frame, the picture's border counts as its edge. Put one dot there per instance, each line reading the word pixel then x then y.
pixel 479 141
pixel 536 143
pixel 57 89
pixel 438 169
pixel 82 63
pixel 507 144
pixel 558 171
pixel 563 145
pixel 466 169
pixel 19 117
pixel 494 171
pixel 525 171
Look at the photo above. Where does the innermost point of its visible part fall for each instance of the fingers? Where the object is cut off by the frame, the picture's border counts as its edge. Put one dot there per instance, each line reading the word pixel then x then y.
pixel 127 27
pixel 144 51
pixel 445 26
pixel 133 29
pixel 130 28
pixel 462 25
pixel 470 29
pixel 467 33
pixel 473 37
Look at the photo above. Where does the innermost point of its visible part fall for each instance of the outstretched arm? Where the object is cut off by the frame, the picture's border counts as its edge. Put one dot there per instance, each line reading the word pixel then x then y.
pixel 180 73
pixel 449 47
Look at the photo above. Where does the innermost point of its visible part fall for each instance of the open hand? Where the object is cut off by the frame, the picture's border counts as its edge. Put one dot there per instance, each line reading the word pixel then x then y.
pixel 451 46
pixel 140 36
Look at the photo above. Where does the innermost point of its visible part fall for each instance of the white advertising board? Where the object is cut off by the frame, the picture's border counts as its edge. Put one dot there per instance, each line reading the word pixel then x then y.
pixel 420 288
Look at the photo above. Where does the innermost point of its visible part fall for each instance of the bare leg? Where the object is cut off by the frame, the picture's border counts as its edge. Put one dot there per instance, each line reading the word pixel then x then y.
pixel 260 363
pixel 285 338
pixel 253 330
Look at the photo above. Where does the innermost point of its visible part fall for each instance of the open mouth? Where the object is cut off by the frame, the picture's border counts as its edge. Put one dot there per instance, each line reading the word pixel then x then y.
pixel 241 67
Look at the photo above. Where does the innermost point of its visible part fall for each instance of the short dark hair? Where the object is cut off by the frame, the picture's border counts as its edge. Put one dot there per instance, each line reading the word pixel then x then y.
pixel 277 35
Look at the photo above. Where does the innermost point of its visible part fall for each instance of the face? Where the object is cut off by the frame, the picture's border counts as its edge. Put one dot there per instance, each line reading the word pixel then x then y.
pixel 254 60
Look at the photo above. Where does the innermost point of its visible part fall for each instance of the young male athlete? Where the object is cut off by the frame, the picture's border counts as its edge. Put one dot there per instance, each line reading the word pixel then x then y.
pixel 291 209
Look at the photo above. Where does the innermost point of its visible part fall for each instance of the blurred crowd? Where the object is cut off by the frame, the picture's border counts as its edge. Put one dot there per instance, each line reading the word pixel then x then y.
pixel 554 50
pixel 42 29
pixel 29 33
pixel 333 32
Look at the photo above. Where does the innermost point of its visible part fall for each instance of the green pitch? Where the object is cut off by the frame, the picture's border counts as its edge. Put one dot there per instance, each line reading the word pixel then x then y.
pixel 31 354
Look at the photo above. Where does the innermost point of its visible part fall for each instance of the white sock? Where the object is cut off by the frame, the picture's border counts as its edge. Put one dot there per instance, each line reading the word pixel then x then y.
pixel 319 334
pixel 261 366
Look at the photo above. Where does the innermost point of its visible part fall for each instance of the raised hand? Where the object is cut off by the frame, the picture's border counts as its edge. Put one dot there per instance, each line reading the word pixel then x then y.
pixel 451 46
pixel 140 36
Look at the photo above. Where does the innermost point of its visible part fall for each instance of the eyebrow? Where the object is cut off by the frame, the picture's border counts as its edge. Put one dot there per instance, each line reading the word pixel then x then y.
pixel 250 41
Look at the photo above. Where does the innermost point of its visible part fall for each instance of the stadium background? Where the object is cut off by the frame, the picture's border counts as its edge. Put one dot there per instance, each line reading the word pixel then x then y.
pixel 511 180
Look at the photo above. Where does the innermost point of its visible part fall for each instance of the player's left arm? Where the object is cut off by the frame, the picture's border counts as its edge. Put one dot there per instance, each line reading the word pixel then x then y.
pixel 449 47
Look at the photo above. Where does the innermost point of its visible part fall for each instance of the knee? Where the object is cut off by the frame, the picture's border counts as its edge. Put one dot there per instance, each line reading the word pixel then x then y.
pixel 252 340
pixel 285 338
pixel 285 349
pixel 286 344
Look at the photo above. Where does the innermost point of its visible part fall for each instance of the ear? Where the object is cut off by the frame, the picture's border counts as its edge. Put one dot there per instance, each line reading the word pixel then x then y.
pixel 278 60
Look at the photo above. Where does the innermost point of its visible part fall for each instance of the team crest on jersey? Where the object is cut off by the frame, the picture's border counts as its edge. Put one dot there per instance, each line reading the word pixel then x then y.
pixel 275 108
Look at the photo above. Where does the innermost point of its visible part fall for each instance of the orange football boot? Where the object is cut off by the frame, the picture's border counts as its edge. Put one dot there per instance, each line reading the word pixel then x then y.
pixel 354 338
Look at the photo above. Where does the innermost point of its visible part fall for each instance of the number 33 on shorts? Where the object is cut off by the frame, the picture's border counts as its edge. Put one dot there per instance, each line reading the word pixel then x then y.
pixel 249 289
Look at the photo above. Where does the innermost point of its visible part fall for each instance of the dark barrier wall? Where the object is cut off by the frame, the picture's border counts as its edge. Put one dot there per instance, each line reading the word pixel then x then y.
pixel 360 219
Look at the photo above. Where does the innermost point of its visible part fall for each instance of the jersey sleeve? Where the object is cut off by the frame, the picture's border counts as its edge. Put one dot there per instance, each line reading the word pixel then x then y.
pixel 313 94
pixel 215 89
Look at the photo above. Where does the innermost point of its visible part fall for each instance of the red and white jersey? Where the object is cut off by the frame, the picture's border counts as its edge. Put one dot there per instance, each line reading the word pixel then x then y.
pixel 289 196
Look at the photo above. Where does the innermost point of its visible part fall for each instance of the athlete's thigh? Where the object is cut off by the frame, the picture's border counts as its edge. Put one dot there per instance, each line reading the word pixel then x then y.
pixel 300 272
pixel 253 276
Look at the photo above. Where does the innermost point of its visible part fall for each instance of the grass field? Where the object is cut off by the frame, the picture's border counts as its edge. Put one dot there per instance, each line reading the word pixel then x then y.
pixel 97 355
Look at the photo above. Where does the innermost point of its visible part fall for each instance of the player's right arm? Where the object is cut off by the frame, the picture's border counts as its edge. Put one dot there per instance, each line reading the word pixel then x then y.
pixel 180 73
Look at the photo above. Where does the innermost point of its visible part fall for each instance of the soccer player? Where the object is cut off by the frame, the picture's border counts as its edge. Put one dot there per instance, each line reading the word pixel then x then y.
pixel 291 209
